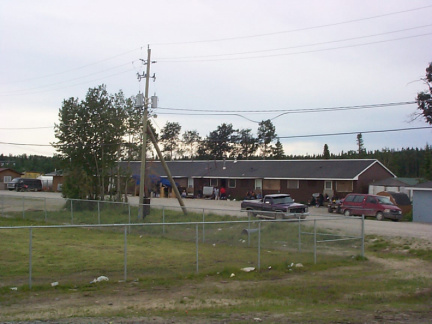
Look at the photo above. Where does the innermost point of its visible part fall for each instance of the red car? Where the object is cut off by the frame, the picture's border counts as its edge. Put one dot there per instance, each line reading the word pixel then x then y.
pixel 380 207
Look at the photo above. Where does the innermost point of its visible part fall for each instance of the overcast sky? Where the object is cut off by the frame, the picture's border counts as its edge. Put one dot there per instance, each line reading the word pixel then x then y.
pixel 237 61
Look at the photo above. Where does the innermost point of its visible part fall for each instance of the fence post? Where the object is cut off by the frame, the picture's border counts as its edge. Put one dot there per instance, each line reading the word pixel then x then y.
pixel 129 212
pixel 125 253
pixel 163 220
pixel 259 245
pixel 315 243
pixel 362 236
pixel 299 234
pixel 203 225
pixel 98 211
pixel 30 257
pixel 249 226
pixel 23 202
pixel 196 240
pixel 2 205
pixel 71 211
pixel 45 207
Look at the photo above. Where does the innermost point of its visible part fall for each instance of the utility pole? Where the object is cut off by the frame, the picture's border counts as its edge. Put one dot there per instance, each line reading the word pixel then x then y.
pixel 144 134
pixel 147 130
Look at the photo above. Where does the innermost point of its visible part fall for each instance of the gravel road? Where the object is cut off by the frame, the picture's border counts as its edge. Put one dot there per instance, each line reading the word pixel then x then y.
pixel 384 228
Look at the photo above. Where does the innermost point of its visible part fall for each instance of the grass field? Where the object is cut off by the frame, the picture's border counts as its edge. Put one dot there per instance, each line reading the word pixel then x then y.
pixel 392 284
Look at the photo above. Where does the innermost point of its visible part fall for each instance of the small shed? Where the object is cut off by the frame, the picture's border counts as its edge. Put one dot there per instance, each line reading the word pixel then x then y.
pixel 400 199
pixel 422 202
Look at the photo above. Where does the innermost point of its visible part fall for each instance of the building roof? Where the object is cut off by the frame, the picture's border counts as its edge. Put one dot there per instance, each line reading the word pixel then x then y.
pixel 425 186
pixel 5 169
pixel 397 182
pixel 265 169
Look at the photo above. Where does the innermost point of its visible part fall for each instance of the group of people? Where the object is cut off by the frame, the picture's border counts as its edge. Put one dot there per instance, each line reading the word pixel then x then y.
pixel 219 193
pixel 318 200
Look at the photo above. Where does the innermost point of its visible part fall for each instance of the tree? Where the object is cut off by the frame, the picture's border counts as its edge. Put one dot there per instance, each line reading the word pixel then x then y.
pixel 278 151
pixel 89 135
pixel 326 153
pixel 191 140
pixel 170 137
pixel 220 143
pixel 360 144
pixel 266 135
pixel 248 144
pixel 424 98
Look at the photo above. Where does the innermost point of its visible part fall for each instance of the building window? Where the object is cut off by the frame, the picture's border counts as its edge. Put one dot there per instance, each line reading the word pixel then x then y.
pixel 328 185
pixel 213 182
pixel 7 179
pixel 232 183
pixel 271 185
pixel 344 186
pixel 293 184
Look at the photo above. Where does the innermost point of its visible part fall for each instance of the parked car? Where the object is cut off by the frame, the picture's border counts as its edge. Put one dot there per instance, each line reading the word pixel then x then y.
pixel 275 206
pixel 370 205
pixel 23 184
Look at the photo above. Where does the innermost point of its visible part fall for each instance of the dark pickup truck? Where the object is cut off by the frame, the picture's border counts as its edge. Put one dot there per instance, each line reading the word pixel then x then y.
pixel 275 206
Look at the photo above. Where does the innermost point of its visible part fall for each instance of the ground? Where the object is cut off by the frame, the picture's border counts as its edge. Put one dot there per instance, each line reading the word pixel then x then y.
pixel 143 305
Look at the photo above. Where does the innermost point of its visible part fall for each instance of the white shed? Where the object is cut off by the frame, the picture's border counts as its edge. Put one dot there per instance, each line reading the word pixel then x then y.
pixel 422 202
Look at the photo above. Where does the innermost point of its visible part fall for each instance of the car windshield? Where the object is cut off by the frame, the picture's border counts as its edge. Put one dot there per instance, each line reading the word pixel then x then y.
pixel 283 200
pixel 16 180
pixel 385 200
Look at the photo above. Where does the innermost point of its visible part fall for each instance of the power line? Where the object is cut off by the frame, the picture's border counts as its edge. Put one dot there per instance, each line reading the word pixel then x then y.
pixel 294 30
pixel 358 132
pixel 20 128
pixel 73 69
pixel 307 110
pixel 299 46
pixel 67 86
pixel 293 136
pixel 296 53
pixel 224 39
pixel 23 144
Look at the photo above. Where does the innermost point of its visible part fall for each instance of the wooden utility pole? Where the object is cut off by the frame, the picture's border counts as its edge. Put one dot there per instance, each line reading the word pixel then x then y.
pixel 144 137
pixel 147 130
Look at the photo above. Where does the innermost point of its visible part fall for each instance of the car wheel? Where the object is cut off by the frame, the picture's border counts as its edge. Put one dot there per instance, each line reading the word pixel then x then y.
pixel 380 216
pixel 330 210
pixel 347 212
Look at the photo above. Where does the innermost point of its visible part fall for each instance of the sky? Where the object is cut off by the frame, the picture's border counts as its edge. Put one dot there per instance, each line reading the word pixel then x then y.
pixel 313 67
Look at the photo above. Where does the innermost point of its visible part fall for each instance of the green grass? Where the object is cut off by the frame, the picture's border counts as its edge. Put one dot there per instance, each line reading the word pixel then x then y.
pixel 161 262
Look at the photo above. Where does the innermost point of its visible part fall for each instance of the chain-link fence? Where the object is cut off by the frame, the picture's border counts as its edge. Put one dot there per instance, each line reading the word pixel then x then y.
pixel 74 240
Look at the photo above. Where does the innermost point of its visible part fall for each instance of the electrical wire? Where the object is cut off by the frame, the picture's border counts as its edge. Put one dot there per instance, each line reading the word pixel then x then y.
pixel 358 132
pixel 21 128
pixel 296 53
pixel 307 110
pixel 294 47
pixel 223 39
pixel 294 30
pixel 290 137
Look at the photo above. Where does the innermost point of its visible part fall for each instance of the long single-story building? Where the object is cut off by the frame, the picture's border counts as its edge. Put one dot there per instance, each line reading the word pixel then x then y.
pixel 300 178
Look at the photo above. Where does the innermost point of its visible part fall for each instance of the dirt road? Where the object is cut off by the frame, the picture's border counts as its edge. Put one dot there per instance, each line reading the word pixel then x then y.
pixel 372 227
